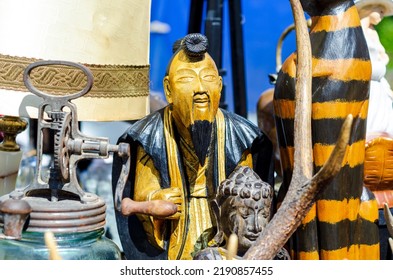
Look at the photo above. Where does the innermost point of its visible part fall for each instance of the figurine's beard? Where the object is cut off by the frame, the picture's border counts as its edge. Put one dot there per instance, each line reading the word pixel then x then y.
pixel 201 133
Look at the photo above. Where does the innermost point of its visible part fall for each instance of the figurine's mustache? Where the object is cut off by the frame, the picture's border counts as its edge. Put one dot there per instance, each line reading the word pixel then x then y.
pixel 201 97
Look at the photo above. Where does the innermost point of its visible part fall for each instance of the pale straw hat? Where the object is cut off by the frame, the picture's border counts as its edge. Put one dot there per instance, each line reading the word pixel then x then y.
pixel 110 37
pixel 388 4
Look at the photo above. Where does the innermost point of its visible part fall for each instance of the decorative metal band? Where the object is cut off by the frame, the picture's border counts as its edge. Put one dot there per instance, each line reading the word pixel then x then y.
pixel 110 81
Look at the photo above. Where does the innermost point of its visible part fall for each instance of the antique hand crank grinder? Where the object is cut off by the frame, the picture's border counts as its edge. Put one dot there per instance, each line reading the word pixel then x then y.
pixel 59 204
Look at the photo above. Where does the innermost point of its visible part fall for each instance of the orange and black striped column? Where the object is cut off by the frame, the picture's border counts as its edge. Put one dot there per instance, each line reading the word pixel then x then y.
pixel 342 222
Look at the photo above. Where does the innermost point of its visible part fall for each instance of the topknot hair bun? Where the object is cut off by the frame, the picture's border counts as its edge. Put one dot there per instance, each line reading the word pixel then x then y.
pixel 195 44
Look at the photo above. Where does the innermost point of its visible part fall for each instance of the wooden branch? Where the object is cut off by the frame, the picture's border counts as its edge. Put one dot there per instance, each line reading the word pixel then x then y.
pixel 303 165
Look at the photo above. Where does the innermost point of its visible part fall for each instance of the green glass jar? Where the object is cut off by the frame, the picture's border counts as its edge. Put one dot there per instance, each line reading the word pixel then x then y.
pixel 77 227
pixel 92 245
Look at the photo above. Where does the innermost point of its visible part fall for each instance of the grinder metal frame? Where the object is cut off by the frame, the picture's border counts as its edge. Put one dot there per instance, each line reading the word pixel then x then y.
pixel 59 114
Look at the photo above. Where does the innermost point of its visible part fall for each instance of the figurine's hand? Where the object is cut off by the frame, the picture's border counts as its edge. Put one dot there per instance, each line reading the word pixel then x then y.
pixel 173 195
pixel 155 208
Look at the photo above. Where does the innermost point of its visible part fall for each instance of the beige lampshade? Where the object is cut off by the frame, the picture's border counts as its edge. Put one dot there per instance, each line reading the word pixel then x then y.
pixel 111 38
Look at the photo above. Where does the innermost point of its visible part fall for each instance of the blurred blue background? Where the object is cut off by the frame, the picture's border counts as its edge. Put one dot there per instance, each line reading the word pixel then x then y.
pixel 263 23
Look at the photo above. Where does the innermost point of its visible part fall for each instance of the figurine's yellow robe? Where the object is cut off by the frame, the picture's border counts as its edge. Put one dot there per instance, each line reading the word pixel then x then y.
pixel 196 226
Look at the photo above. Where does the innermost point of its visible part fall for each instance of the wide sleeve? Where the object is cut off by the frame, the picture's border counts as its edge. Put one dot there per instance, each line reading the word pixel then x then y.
pixel 146 184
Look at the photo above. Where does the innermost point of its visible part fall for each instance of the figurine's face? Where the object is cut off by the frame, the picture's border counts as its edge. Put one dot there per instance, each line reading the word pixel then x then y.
pixel 193 88
pixel 246 218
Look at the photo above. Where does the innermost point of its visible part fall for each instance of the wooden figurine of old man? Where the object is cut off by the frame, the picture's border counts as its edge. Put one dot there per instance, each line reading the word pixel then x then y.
pixel 181 153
